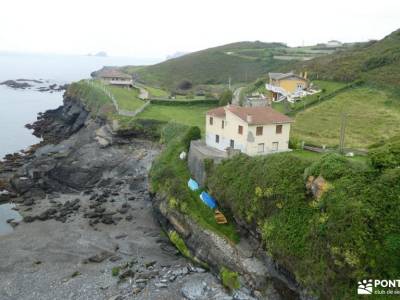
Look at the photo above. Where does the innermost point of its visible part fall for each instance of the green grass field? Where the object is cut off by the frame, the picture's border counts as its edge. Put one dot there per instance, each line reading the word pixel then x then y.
pixel 192 115
pixel 373 115
pixel 156 92
pixel 127 98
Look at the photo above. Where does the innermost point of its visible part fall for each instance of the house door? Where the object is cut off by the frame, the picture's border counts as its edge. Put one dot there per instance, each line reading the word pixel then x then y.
pixel 260 148
pixel 232 144
pixel 275 146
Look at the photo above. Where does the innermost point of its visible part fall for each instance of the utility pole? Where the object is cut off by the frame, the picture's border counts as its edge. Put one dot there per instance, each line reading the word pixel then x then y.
pixel 342 132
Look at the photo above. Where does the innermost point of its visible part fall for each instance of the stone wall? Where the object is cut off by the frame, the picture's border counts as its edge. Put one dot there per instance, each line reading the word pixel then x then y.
pixel 198 153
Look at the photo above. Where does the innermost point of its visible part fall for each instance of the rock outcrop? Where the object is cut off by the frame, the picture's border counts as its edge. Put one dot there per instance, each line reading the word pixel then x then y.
pixel 258 271
pixel 58 124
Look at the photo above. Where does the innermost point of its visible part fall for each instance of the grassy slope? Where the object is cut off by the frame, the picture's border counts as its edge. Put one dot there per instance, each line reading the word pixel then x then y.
pixel 97 102
pixel 373 115
pixel 127 98
pixel 327 243
pixel 193 115
pixel 375 62
pixel 247 61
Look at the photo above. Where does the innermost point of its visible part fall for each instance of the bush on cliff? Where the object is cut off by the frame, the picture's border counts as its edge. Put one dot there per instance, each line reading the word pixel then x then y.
pixel 193 133
pixel 350 233
pixel 229 279
pixel 386 155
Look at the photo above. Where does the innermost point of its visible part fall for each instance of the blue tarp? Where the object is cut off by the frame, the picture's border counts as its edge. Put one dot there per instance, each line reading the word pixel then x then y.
pixel 208 200
pixel 193 185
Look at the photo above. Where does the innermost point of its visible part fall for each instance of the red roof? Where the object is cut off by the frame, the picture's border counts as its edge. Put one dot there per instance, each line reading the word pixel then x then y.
pixel 217 112
pixel 253 115
pixel 113 73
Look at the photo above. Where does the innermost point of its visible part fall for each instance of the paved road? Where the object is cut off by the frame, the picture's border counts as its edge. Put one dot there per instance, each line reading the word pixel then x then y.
pixel 236 96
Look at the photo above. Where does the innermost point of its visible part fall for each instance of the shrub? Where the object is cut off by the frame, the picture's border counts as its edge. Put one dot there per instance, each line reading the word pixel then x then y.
pixel 193 133
pixel 229 279
pixel 331 166
pixel 185 85
pixel 115 271
pixel 225 97
pixel 294 143
pixel 386 156
pixel 179 243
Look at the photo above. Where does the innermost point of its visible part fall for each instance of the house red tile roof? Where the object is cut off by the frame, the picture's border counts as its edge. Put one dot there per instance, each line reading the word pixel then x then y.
pixel 112 73
pixel 217 112
pixel 252 115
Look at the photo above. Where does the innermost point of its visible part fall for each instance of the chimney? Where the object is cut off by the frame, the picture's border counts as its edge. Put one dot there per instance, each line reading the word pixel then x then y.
pixel 305 75
pixel 249 118
pixel 301 74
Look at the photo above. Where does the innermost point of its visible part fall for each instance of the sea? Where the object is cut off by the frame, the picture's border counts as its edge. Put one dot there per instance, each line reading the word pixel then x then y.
pixel 19 107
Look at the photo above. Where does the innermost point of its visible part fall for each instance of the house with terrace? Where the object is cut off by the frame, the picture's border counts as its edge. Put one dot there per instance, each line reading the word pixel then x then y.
pixel 252 130
pixel 114 77
pixel 287 85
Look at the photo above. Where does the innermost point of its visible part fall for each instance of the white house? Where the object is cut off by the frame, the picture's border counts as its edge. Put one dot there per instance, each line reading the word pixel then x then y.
pixel 334 44
pixel 252 130
pixel 115 77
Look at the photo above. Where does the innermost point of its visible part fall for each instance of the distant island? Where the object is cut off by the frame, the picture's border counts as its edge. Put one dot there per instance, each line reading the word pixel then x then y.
pixel 100 54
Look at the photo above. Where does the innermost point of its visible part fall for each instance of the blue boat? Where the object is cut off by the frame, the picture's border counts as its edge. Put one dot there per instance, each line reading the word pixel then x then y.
pixel 208 200
pixel 193 185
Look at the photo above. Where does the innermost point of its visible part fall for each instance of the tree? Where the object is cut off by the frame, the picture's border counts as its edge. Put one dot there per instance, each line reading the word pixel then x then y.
pixel 185 85
pixel 225 97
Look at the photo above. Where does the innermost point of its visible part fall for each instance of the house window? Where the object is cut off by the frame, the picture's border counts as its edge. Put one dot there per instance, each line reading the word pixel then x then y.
pixel 222 124
pixel 217 138
pixel 300 86
pixel 259 130
pixel 232 144
pixel 279 129
pixel 275 146
pixel 260 148
pixel 240 129
pixel 211 120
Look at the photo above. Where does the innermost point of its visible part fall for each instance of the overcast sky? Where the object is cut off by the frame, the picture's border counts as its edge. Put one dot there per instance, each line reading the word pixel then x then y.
pixel 155 28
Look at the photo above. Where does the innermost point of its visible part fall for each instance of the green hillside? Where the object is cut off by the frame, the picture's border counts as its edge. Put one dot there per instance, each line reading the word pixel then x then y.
pixel 377 62
pixel 243 62
pixel 373 115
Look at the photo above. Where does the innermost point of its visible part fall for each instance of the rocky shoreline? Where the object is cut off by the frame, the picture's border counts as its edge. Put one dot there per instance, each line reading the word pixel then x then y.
pixel 38 85
pixel 89 229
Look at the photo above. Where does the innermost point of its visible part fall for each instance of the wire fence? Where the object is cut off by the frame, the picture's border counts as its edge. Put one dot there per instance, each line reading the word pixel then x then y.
pixel 123 112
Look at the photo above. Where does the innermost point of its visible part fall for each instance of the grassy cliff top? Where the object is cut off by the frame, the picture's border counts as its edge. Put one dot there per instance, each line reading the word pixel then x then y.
pixel 376 62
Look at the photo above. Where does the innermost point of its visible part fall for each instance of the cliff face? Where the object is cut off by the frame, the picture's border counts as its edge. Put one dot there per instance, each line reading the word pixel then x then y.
pixel 58 124
pixel 257 270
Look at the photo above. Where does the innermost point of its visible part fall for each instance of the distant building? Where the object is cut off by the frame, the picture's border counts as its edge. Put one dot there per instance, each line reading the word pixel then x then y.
pixel 256 100
pixel 284 84
pixel 252 130
pixel 114 77
pixel 333 44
